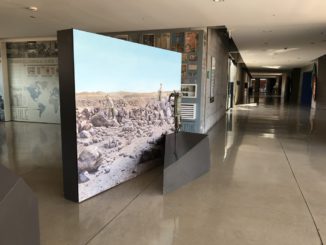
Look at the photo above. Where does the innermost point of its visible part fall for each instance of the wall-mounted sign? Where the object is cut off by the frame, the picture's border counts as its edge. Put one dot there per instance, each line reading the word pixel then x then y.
pixel 212 79
pixel 189 90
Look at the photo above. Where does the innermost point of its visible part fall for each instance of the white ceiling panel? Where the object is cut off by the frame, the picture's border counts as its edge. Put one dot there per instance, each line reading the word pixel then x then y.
pixel 282 33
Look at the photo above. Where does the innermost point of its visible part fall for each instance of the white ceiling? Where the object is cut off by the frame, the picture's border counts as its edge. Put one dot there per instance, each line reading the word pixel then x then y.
pixel 260 28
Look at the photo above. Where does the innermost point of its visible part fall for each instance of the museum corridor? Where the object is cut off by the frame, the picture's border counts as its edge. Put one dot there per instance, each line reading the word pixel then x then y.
pixel 266 186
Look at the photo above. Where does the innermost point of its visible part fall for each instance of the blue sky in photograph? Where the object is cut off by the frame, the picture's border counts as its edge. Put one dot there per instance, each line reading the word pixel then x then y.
pixel 112 65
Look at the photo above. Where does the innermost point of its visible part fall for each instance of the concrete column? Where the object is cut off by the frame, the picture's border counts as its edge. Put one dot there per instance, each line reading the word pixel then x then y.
pixel 5 79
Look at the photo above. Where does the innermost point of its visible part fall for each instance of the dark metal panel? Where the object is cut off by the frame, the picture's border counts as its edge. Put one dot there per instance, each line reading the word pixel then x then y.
pixel 68 114
pixel 187 157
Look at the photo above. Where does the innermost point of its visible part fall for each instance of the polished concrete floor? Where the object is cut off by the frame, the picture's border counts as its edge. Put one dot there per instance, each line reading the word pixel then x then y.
pixel 267 185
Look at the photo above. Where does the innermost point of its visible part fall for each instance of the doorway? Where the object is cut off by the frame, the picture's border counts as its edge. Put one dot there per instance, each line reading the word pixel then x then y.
pixel 306 93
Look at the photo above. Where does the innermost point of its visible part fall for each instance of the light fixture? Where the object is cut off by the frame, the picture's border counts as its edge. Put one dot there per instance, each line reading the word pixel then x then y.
pixel 272 67
pixel 32 8
pixel 218 1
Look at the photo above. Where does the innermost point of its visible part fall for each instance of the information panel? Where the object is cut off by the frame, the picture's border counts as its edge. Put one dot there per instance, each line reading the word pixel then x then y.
pixel 34 89
pixel 34 82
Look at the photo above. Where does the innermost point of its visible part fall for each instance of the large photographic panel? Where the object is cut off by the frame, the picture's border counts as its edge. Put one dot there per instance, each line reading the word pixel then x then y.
pixel 34 83
pixel 122 108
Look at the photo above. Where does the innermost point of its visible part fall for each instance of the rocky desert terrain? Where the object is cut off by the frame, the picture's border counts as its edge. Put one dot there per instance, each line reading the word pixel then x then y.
pixel 119 136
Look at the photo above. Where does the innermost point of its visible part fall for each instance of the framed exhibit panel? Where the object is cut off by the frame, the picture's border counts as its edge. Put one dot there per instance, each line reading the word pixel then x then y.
pixel 191 40
pixel 122 37
pixel 149 39
pixel 116 109
pixel 165 40
pixel 34 81
pixel 189 90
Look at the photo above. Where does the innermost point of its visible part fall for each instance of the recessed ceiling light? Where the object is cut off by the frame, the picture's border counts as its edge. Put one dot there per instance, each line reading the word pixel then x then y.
pixel 218 1
pixel 272 67
pixel 32 8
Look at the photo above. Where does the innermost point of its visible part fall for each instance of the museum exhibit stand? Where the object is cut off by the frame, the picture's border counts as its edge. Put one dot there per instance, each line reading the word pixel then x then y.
pixel 186 158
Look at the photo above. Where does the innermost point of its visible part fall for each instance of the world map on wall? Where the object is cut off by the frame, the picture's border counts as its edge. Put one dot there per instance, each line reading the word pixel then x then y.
pixel 37 89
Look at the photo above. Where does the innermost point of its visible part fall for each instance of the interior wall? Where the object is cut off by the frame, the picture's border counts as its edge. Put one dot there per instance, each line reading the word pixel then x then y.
pixel 233 73
pixel 240 85
pixel 2 111
pixel 304 69
pixel 321 84
pixel 295 86
pixel 33 80
pixel 232 82
pixel 237 84
pixel 5 83
pixel 214 110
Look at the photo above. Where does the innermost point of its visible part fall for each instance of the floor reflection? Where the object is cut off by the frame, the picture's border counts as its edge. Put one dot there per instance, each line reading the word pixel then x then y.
pixel 25 146
pixel 248 197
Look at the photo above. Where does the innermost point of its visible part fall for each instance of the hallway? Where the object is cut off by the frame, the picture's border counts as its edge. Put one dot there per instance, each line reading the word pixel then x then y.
pixel 266 186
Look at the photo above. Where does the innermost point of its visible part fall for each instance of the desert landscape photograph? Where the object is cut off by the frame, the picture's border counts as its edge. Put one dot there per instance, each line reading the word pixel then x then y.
pixel 119 136
pixel 122 109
